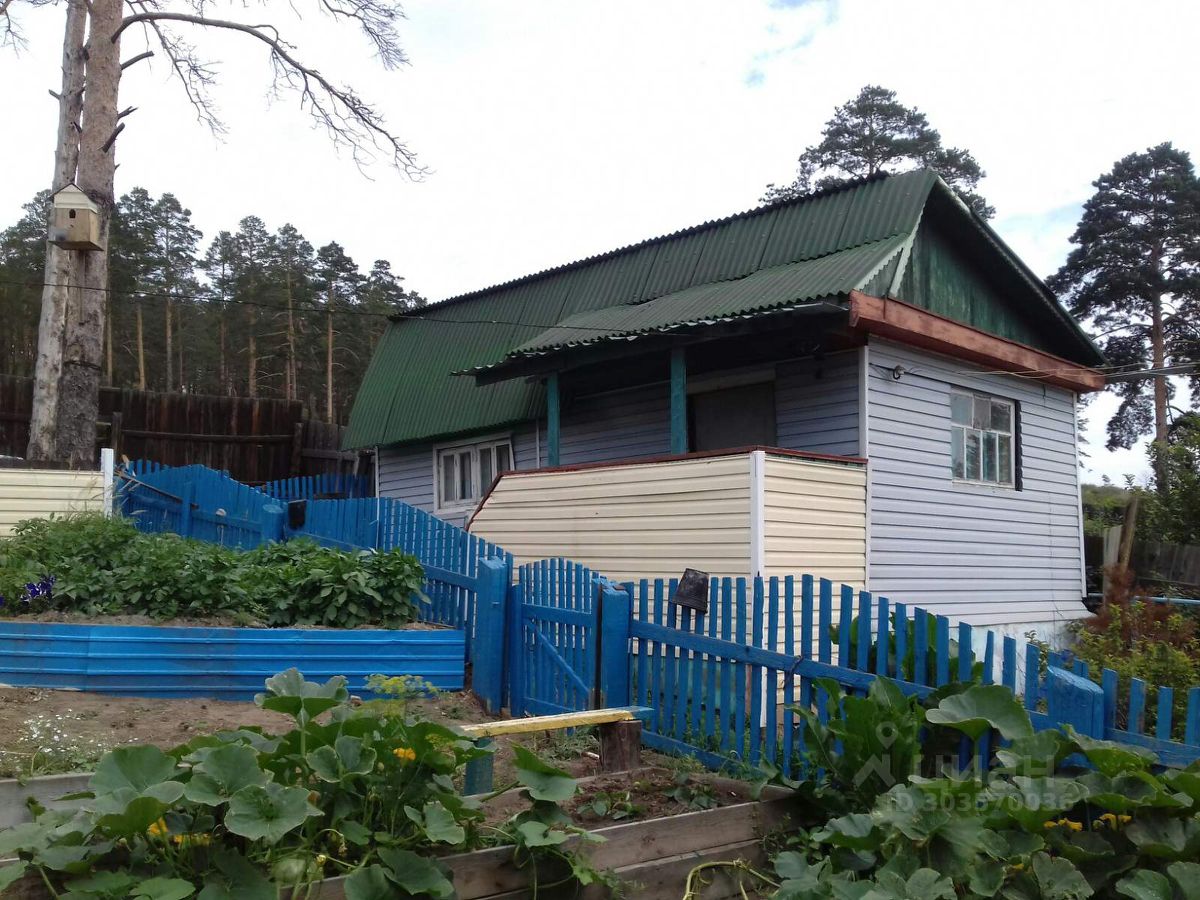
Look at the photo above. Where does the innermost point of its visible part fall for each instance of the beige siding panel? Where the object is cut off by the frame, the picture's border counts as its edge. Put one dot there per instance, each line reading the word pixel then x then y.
pixel 815 519
pixel 37 493
pixel 628 521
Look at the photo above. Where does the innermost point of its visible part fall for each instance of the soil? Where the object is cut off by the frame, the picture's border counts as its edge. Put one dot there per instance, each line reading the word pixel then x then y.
pixel 45 732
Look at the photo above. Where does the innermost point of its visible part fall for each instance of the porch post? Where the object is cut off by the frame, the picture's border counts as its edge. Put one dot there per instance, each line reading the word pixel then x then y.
pixel 678 401
pixel 552 417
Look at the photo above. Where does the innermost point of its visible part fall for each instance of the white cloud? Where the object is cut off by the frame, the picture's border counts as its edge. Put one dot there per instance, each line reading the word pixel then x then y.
pixel 555 130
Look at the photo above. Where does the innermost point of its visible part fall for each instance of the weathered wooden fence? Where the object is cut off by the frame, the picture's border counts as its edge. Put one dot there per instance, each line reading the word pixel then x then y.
pixel 254 439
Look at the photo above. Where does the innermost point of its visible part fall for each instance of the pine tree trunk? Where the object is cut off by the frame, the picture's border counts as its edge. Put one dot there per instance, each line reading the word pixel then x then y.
pixel 84 336
pixel 292 389
pixel 252 348
pixel 223 366
pixel 141 349
pixel 329 359
pixel 170 354
pixel 43 421
pixel 108 339
pixel 1158 352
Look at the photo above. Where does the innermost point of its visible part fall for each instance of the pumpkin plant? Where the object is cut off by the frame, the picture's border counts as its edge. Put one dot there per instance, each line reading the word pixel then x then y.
pixel 243 814
pixel 1059 815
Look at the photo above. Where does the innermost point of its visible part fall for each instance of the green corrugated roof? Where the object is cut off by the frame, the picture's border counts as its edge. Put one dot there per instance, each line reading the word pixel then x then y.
pixel 764 291
pixel 788 252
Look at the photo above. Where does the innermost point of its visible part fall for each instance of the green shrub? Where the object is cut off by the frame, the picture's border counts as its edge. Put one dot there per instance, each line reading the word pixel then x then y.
pixel 104 566
pixel 1151 641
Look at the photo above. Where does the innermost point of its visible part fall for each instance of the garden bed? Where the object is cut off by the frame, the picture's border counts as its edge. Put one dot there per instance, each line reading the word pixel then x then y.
pixel 219 663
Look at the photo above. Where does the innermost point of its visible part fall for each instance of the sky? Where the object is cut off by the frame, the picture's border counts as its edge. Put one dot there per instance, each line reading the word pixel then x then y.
pixel 554 130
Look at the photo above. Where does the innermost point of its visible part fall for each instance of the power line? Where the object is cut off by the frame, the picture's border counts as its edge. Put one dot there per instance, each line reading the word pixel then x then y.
pixel 216 298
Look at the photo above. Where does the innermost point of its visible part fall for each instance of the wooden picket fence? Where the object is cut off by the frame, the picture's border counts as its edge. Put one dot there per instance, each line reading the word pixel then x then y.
pixel 724 685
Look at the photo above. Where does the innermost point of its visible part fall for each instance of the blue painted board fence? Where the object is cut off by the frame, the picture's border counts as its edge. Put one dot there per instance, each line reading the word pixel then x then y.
pixel 722 686
pixel 326 486
pixel 222 663
pixel 201 503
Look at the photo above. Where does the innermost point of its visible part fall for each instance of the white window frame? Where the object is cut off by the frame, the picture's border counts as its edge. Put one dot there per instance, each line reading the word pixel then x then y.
pixel 958 431
pixel 455 451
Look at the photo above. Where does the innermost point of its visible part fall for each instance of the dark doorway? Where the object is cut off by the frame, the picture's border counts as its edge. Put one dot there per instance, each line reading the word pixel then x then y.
pixel 734 417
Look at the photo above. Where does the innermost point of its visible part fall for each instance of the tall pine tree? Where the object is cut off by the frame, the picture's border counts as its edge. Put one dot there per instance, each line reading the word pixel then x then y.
pixel 875 133
pixel 1133 275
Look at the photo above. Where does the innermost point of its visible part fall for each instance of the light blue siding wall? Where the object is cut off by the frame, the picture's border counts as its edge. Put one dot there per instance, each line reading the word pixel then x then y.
pixel 816 404
pixel 406 473
pixel 617 425
pixel 986 555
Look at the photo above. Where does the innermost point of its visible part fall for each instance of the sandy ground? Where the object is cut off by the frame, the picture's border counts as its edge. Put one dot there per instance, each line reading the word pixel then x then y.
pixel 44 732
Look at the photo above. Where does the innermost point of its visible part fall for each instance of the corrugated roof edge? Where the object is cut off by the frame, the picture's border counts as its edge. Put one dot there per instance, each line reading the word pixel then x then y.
pixel 692 229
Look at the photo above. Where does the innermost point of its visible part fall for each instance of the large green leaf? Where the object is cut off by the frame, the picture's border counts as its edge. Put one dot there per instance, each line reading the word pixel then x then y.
pixel 1156 834
pixel 1111 758
pixel 1037 754
pixel 1032 801
pixel 1145 885
pixel 416 875
pixel 26 836
pixel 370 883
pixel 437 822
pixel 346 758
pixel 289 693
pixel 1186 876
pixel 542 780
pixel 1125 793
pixel 106 884
pixel 138 769
pixel 1059 879
pixel 539 834
pixel 222 773
pixel 137 816
pixel 236 878
pixel 856 831
pixel 983 707
pixel 987 877
pixel 268 812
pixel 163 889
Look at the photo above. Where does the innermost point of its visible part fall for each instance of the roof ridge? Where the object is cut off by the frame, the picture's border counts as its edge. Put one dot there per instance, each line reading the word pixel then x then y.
pixel 821 193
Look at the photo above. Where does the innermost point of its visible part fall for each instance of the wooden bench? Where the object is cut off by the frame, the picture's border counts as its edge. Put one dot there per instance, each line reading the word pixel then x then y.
pixel 620 730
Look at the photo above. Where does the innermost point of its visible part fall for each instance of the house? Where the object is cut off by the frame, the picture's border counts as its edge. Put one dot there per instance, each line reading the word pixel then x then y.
pixel 865 384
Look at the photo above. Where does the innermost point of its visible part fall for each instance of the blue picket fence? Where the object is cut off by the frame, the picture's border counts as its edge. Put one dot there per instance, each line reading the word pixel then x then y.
pixel 204 504
pixel 724 685
pixel 326 486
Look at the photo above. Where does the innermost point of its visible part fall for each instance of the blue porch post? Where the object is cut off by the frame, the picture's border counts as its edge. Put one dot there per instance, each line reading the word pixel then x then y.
pixel 678 401
pixel 553 410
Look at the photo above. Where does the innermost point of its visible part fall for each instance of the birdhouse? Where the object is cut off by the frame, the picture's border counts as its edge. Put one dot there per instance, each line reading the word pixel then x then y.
pixel 76 221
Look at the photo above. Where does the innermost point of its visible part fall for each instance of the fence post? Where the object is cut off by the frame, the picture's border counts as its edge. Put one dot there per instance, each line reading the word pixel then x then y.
pixel 515 639
pixel 616 611
pixel 185 508
pixel 273 521
pixel 487 672
pixel 1075 701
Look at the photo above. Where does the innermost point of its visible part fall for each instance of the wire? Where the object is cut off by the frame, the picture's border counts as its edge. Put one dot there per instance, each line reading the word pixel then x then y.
pixel 257 303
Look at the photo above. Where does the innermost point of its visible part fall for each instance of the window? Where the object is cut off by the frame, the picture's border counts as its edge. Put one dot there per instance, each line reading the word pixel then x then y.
pixel 733 417
pixel 465 471
pixel 982 439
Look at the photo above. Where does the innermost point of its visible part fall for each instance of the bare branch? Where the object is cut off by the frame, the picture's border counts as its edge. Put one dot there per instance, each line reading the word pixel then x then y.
pixel 10 32
pixel 347 119
pixel 112 138
pixel 127 111
pixel 137 59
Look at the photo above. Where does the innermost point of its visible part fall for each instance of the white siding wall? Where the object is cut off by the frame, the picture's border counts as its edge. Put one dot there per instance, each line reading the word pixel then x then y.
pixel 38 493
pixel 815 519
pixel 628 521
pixel 816 404
pixel 991 556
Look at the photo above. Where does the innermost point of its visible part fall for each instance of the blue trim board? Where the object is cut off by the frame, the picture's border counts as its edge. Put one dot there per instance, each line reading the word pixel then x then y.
pixel 221 663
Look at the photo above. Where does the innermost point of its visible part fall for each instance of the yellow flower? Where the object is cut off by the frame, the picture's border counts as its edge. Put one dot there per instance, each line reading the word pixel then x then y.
pixel 321 859
pixel 1124 820
pixel 1074 826
pixel 158 829
pixel 196 840
pixel 1018 867
pixel 405 754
